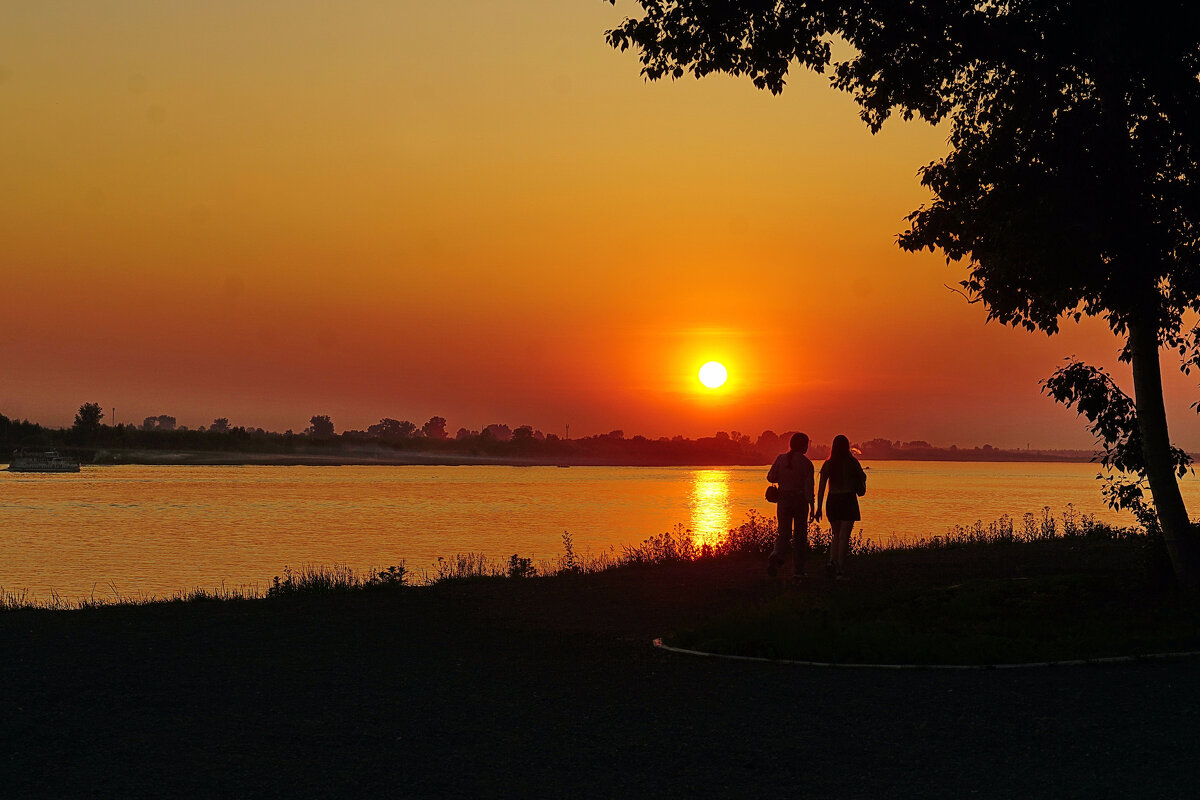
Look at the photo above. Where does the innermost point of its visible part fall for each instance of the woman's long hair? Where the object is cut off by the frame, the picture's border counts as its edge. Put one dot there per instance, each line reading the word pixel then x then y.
pixel 840 461
pixel 839 451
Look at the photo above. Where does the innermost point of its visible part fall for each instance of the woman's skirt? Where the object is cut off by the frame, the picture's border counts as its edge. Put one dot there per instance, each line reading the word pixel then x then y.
pixel 842 507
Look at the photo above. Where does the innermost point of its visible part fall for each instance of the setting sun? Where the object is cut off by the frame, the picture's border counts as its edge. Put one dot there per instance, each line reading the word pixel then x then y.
pixel 713 374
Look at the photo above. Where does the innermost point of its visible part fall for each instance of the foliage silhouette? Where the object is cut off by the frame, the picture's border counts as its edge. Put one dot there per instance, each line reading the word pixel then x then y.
pixel 519 567
pixel 435 428
pixel 132 444
pixel 87 421
pixel 321 427
pixel 1112 418
pixel 162 422
pixel 388 428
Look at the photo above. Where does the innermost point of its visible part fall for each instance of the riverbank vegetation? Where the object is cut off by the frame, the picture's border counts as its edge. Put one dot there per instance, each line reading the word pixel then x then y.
pixel 161 440
pixel 979 595
pixel 1033 588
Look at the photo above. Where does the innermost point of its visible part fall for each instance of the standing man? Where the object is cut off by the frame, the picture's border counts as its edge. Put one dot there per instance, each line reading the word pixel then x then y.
pixel 794 474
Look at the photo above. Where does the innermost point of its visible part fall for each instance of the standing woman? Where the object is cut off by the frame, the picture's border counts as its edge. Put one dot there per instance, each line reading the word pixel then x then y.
pixel 847 481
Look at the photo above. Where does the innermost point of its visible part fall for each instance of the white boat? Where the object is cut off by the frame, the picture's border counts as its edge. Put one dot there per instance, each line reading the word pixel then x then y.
pixel 45 461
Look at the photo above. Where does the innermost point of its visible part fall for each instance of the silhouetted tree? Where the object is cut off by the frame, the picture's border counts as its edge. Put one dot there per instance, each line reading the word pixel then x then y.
pixel 435 428
pixel 501 433
pixel 878 448
pixel 388 428
pixel 1070 186
pixel 219 425
pixel 87 420
pixel 768 442
pixel 320 427
pixel 163 422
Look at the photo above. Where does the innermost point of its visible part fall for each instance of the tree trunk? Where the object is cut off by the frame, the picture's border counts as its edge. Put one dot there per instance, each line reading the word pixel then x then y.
pixel 1177 530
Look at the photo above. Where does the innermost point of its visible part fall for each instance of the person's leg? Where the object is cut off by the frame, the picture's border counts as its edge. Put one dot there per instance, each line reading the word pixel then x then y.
pixel 800 528
pixel 831 562
pixel 783 536
pixel 841 543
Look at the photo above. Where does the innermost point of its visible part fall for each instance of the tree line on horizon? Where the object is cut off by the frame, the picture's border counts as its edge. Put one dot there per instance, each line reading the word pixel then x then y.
pixel 88 435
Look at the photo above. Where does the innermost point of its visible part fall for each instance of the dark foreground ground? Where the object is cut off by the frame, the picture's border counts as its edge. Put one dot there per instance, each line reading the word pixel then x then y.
pixel 548 688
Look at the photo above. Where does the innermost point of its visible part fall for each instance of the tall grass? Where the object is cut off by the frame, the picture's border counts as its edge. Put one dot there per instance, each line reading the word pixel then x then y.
pixel 1031 528
pixel 23 599
pixel 338 578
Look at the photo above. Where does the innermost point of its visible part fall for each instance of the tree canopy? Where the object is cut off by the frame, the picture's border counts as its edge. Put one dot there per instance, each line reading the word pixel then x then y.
pixel 1073 182
pixel 321 427
pixel 87 420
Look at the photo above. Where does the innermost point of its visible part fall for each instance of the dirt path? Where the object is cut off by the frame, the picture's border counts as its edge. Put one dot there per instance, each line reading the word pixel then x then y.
pixel 548 688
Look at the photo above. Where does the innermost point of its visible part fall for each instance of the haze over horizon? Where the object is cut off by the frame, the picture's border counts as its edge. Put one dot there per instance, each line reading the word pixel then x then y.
pixel 397 209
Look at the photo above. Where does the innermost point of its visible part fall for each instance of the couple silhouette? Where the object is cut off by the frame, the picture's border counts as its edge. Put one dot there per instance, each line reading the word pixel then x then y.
pixel 798 504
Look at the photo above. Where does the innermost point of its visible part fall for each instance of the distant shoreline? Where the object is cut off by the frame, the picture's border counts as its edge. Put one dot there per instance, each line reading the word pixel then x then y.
pixel 227 459
pixel 402 444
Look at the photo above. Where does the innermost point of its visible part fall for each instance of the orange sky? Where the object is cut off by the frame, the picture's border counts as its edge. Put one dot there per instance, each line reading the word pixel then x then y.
pixel 376 208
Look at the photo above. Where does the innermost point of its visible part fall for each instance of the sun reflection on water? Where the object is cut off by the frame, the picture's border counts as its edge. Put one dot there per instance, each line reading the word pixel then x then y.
pixel 710 505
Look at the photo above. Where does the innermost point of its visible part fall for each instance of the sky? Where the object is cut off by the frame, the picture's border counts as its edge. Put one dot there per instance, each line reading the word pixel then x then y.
pixel 477 210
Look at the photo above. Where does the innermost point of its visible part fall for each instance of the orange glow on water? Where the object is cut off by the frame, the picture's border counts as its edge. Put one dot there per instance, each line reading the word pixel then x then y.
pixel 710 502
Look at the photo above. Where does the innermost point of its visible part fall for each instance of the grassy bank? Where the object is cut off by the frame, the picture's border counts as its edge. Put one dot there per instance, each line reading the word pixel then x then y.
pixel 1038 590
pixel 1033 588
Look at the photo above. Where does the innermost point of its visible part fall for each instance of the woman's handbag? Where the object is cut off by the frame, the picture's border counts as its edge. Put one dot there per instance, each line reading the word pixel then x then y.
pixel 772 494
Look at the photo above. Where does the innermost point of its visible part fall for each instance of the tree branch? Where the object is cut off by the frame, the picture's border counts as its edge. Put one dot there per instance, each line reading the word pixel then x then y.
pixel 967 297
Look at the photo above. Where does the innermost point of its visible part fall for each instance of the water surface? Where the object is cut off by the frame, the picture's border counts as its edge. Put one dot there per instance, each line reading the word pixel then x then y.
pixel 142 530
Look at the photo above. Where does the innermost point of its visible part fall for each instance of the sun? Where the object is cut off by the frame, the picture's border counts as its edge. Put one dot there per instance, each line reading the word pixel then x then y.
pixel 713 374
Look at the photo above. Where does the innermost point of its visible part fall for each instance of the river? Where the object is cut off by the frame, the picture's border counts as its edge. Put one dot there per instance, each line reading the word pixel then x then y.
pixel 138 531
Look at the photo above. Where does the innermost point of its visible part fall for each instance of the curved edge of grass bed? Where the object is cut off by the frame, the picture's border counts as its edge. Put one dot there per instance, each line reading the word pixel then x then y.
pixel 985 622
pixel 658 642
